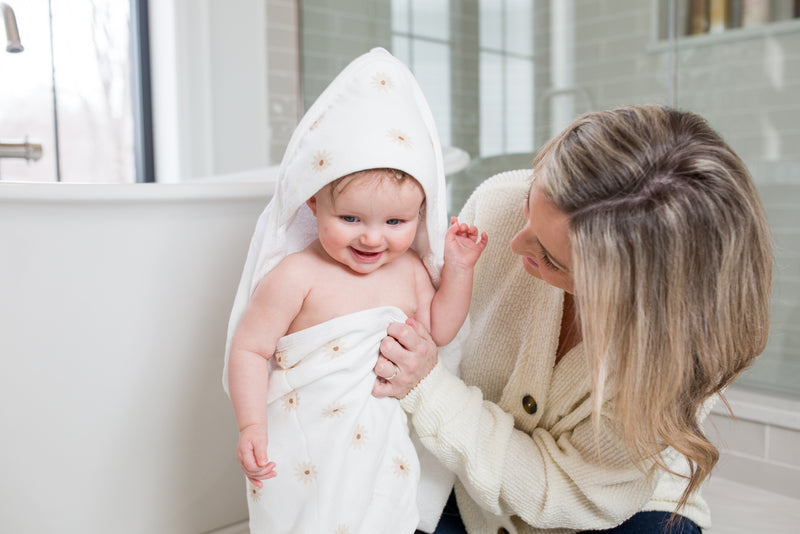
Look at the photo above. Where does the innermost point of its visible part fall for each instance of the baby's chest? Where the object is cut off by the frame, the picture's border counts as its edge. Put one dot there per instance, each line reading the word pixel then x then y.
pixel 346 294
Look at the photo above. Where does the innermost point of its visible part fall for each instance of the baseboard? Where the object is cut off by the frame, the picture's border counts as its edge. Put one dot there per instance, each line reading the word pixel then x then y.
pixel 237 528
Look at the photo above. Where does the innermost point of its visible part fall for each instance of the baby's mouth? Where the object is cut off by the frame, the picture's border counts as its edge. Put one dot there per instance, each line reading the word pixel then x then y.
pixel 366 257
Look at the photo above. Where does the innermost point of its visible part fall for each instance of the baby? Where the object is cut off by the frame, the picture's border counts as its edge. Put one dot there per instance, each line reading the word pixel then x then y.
pixel 352 241
pixel 362 260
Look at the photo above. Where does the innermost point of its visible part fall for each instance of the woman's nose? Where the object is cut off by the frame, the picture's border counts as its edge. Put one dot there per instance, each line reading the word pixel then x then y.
pixel 520 239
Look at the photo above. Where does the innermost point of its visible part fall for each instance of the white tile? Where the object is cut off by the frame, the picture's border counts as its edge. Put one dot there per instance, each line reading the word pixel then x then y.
pixel 777 478
pixel 741 509
pixel 739 435
pixel 784 446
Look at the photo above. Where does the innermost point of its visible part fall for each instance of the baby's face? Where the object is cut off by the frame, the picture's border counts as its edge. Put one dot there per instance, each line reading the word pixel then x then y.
pixel 370 223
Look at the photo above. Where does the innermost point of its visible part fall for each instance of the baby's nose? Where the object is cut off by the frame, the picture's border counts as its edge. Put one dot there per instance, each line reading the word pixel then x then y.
pixel 371 238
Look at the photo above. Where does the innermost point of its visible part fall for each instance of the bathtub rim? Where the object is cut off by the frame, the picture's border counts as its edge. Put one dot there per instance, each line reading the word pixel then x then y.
pixel 44 192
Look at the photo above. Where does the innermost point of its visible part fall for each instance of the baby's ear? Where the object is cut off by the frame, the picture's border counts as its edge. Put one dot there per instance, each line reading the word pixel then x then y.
pixel 312 204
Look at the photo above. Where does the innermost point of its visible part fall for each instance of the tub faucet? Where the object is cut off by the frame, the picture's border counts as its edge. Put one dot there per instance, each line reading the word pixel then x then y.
pixel 12 32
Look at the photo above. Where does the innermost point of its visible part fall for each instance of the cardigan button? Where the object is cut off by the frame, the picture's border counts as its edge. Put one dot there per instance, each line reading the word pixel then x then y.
pixel 529 404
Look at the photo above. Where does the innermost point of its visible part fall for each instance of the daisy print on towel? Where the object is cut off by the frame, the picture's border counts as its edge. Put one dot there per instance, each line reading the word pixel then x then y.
pixel 253 492
pixel 399 138
pixel 382 82
pixel 280 356
pixel 321 160
pixel 316 122
pixel 400 467
pixel 289 401
pixel 334 410
pixel 359 437
pixel 305 472
pixel 334 348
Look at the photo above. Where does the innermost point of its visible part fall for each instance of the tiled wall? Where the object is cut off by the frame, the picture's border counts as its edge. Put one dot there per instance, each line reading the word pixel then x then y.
pixel 745 81
pixel 283 57
pixel 761 447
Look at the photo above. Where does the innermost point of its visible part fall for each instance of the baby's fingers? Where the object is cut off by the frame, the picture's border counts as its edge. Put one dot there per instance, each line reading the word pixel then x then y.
pixel 265 473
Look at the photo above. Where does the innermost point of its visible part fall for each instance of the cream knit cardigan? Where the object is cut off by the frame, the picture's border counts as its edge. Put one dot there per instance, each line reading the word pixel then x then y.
pixel 520 471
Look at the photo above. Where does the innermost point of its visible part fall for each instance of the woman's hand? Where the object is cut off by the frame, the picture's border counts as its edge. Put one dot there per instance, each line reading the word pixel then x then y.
pixel 408 354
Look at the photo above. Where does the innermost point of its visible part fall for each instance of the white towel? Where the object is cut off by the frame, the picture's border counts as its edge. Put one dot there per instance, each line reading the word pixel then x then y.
pixel 372 115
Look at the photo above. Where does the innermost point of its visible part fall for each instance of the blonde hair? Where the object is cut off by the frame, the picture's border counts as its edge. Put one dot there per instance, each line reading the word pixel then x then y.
pixel 672 261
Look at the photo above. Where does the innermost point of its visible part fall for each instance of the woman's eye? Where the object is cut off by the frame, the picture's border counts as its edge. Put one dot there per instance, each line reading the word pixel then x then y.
pixel 549 264
pixel 349 218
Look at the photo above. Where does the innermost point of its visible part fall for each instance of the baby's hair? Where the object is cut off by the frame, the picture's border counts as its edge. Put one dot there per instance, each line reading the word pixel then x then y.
pixel 378 175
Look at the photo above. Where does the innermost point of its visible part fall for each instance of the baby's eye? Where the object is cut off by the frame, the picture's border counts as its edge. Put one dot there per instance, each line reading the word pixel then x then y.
pixel 393 222
pixel 349 218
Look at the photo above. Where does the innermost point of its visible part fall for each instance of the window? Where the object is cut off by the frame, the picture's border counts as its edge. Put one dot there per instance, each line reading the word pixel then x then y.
pixel 421 39
pixel 506 77
pixel 70 93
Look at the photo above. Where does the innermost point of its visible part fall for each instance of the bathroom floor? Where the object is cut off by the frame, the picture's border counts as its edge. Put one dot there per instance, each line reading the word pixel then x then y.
pixel 735 509
pixel 741 509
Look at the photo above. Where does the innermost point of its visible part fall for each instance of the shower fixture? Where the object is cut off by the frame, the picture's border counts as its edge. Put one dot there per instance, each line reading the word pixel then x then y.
pixel 12 32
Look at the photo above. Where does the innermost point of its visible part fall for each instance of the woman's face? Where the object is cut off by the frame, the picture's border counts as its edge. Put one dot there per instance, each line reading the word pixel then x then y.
pixel 544 242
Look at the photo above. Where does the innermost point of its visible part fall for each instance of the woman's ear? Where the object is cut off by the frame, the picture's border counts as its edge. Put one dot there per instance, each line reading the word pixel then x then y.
pixel 312 204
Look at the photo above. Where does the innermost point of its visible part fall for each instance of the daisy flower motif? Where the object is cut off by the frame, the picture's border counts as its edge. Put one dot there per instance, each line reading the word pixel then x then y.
pixel 253 492
pixel 305 472
pixel 321 160
pixel 382 82
pixel 334 348
pixel 289 401
pixel 400 467
pixel 400 138
pixel 359 438
pixel 334 409
pixel 280 357
pixel 316 122
pixel 342 529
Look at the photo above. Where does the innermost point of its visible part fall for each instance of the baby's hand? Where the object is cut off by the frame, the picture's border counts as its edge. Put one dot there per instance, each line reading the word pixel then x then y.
pixel 463 244
pixel 252 454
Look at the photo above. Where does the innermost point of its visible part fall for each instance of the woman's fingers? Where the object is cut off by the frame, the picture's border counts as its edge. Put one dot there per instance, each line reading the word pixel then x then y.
pixel 408 348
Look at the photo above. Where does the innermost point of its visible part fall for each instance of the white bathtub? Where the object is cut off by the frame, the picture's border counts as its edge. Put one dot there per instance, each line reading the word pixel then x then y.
pixel 115 303
pixel 115 300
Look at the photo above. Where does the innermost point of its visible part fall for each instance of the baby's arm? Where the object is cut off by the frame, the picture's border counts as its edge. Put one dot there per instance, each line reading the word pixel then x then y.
pixel 274 304
pixel 450 304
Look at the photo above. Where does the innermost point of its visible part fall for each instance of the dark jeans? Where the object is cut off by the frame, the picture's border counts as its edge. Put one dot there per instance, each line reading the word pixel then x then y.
pixel 450 522
pixel 653 523
pixel 641 523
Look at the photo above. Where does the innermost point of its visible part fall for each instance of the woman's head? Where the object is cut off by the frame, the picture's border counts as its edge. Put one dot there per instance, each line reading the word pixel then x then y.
pixel 671 261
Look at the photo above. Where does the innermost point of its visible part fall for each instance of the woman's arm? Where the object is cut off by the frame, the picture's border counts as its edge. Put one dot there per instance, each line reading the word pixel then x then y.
pixel 570 479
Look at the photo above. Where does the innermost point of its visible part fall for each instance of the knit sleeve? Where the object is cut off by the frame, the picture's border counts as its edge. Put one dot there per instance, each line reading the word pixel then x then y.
pixel 571 481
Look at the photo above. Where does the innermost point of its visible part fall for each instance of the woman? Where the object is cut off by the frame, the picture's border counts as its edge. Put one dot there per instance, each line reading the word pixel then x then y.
pixel 636 288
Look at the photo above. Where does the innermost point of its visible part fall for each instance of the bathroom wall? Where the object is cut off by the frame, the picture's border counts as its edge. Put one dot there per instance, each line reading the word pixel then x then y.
pixel 745 81
pixel 209 67
pixel 760 446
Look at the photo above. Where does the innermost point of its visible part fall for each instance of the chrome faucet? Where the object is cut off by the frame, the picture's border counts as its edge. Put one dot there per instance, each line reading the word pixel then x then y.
pixel 12 32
